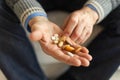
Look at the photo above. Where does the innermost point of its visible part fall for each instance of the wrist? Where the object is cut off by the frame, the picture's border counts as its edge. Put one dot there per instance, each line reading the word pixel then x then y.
pixel 92 12
pixel 36 20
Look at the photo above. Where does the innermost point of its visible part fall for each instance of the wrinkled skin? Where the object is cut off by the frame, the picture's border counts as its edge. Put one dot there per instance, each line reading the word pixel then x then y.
pixel 79 24
pixel 42 30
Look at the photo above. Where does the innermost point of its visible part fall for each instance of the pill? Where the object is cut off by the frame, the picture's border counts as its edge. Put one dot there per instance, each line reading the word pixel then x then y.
pixel 53 38
pixel 67 47
pixel 60 44
pixel 70 54
pixel 63 38
pixel 78 49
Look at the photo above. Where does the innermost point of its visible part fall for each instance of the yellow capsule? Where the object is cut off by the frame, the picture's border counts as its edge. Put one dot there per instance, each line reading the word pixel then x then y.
pixel 78 49
pixel 63 38
pixel 68 48
pixel 60 44
pixel 55 42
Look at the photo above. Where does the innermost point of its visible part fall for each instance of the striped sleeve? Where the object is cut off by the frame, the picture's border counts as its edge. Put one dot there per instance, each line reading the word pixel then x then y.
pixel 103 7
pixel 26 10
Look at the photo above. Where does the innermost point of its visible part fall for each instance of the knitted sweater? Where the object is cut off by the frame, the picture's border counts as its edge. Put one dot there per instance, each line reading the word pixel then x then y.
pixel 27 9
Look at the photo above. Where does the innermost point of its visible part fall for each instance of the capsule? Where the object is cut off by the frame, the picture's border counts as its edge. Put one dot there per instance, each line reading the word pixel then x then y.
pixel 78 49
pixel 67 47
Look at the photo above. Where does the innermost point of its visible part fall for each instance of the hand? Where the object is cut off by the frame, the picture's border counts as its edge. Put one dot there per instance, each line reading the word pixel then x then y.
pixel 79 24
pixel 42 30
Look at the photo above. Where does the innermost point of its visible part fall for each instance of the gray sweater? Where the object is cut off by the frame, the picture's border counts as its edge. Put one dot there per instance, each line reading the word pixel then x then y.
pixel 27 9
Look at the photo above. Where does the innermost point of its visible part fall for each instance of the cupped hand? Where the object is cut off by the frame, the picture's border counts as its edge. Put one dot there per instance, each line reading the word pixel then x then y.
pixel 79 24
pixel 42 30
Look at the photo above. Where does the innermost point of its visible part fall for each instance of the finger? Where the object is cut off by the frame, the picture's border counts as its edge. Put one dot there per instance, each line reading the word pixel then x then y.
pixel 84 62
pixel 87 35
pixel 66 58
pixel 35 35
pixel 87 56
pixel 70 26
pixel 57 53
pixel 65 23
pixel 71 42
pixel 82 36
pixel 78 31
pixel 85 39
pixel 84 50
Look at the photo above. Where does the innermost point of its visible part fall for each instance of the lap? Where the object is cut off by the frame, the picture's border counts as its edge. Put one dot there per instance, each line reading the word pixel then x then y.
pixel 16 52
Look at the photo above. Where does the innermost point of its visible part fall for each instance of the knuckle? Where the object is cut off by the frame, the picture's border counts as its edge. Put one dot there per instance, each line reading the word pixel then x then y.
pixel 68 33
pixel 76 34
pixel 85 50
pixel 73 19
pixel 80 39
pixel 89 32
pixel 76 13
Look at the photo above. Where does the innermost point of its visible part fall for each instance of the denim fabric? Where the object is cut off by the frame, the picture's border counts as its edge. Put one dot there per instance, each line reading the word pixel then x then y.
pixel 17 57
pixel 64 5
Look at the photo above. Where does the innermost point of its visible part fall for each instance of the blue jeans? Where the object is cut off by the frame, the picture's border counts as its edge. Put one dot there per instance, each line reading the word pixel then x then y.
pixel 17 57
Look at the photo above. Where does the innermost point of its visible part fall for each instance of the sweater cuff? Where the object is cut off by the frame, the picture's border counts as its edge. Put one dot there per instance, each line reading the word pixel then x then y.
pixel 103 7
pixel 97 7
pixel 92 7
pixel 27 9
pixel 30 17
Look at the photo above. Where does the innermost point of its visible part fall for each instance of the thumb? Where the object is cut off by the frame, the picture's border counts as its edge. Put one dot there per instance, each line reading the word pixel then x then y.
pixel 35 35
